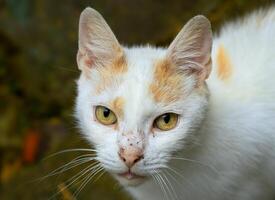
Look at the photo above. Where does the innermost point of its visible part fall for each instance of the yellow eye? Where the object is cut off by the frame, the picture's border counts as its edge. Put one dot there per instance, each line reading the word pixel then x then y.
pixel 105 116
pixel 166 121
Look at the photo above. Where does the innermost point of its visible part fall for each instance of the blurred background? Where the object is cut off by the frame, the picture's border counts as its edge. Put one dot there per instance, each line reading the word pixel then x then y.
pixel 38 45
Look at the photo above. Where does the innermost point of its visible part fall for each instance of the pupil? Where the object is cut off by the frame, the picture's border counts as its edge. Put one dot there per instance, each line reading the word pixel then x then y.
pixel 166 118
pixel 106 112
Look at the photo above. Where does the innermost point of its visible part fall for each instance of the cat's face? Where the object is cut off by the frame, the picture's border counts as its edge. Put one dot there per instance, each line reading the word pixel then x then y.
pixel 138 106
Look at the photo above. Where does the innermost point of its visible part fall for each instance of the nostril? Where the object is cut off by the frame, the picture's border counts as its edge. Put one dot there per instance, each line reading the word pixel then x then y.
pixel 138 159
pixel 122 157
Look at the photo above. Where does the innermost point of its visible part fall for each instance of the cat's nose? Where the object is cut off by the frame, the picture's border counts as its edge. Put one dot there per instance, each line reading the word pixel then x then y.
pixel 130 155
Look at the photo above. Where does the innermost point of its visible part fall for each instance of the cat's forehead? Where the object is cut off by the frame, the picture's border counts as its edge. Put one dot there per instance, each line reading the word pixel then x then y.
pixel 143 84
pixel 144 53
pixel 151 69
pixel 129 90
pixel 141 62
pixel 130 73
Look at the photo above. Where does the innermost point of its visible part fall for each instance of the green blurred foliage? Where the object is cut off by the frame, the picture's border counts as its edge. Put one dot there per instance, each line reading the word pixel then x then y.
pixel 38 45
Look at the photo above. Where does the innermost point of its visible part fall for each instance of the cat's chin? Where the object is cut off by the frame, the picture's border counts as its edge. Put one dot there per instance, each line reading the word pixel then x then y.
pixel 127 179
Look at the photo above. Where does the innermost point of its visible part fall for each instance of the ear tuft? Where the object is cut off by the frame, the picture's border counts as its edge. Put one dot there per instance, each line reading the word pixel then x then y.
pixel 97 43
pixel 191 49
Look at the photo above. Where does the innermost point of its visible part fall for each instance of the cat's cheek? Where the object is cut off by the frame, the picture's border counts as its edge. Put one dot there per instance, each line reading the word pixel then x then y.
pixel 97 134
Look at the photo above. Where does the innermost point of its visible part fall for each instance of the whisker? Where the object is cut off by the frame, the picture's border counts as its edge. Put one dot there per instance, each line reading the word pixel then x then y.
pixel 79 175
pixel 88 179
pixel 171 175
pixel 155 179
pixel 68 150
pixel 66 194
pixel 68 69
pixel 73 163
pixel 174 194
pixel 85 181
pixel 73 179
pixel 197 162
pixel 100 175
pixel 161 185
pixel 176 172
pixel 158 166
pixel 166 186
pixel 179 175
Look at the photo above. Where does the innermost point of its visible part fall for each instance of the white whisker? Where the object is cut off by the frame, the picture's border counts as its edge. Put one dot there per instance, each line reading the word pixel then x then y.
pixel 73 163
pixel 174 194
pixel 179 175
pixel 156 180
pixel 92 174
pixel 166 186
pixel 196 162
pixel 73 179
pixel 69 150
pixel 161 185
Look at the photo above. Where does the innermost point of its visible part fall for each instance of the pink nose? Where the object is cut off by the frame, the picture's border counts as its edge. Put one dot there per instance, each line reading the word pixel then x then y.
pixel 130 156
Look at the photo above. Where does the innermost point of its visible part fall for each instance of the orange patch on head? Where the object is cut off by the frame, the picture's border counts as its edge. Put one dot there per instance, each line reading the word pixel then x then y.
pixel 105 81
pixel 117 106
pixel 224 68
pixel 167 85
pixel 110 73
pixel 119 65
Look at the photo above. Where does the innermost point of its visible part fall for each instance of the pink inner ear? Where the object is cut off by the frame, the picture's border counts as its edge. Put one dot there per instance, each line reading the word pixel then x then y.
pixel 191 49
pixel 84 59
pixel 201 46
pixel 205 49
pixel 88 62
pixel 97 43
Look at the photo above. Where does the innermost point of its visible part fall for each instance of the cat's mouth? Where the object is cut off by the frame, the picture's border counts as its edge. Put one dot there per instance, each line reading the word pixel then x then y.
pixel 130 175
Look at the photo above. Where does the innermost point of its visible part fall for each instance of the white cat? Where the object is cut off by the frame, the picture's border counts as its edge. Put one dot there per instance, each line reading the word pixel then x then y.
pixel 166 125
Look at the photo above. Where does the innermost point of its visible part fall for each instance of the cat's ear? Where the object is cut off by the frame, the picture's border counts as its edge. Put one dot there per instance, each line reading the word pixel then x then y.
pixel 190 51
pixel 97 44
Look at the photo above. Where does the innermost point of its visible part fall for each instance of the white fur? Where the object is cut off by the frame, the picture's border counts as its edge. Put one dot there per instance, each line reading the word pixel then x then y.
pixel 233 151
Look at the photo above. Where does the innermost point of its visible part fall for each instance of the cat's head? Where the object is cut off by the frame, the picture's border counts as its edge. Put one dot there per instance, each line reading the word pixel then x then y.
pixel 139 105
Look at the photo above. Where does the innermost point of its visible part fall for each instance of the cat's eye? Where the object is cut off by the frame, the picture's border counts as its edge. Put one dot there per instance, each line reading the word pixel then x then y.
pixel 105 115
pixel 166 121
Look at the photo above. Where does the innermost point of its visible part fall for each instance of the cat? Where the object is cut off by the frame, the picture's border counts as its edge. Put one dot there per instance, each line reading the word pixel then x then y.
pixel 192 121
